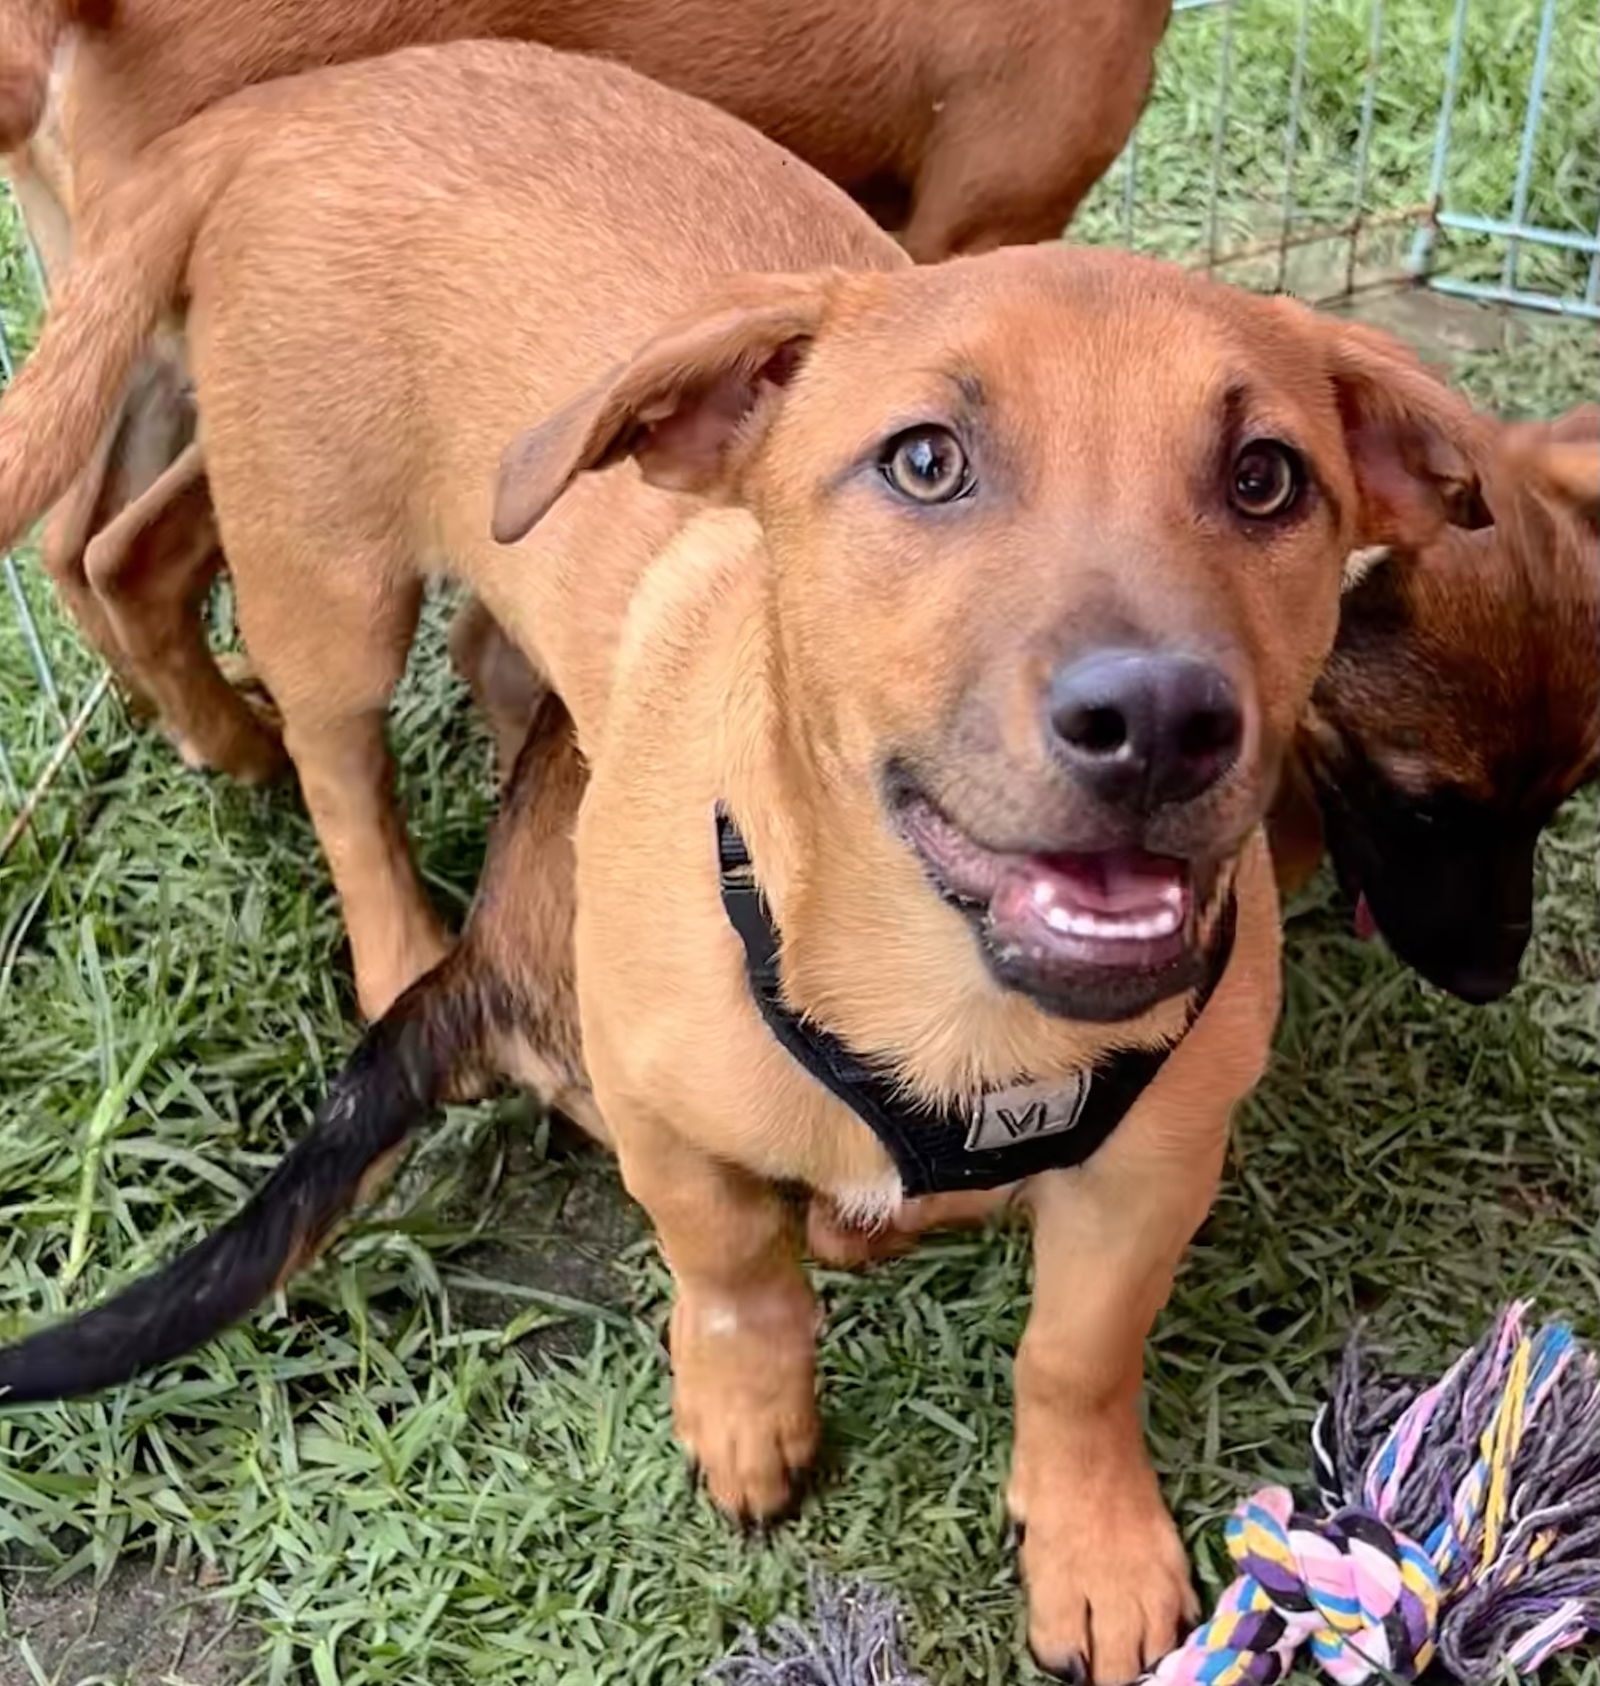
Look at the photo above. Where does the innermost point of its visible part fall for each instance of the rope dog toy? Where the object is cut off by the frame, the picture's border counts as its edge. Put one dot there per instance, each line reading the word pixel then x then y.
pixel 1460 1524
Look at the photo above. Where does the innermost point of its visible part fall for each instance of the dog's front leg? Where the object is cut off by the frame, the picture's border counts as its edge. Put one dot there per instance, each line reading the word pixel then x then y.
pixel 744 1323
pixel 1107 1579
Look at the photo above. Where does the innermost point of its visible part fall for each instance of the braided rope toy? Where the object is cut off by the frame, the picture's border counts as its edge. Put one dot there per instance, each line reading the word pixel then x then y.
pixel 1461 1523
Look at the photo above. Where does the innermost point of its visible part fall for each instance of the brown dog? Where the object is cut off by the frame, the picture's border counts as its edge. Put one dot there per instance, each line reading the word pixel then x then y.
pixel 922 842
pixel 967 124
pixel 1459 710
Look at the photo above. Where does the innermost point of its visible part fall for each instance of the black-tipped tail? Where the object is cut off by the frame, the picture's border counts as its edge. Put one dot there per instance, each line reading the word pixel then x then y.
pixel 391 1084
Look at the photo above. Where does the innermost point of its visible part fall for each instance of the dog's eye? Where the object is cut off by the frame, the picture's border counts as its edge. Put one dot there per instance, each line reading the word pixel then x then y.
pixel 1266 480
pixel 927 465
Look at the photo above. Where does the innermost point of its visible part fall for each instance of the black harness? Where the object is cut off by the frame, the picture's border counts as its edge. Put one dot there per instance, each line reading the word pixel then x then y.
pixel 1006 1133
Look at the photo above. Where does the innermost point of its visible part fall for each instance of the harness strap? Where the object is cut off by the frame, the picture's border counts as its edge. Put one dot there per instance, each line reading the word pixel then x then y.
pixel 1009 1132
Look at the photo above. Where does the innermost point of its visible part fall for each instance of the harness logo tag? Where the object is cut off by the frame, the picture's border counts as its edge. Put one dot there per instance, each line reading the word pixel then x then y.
pixel 1024 1112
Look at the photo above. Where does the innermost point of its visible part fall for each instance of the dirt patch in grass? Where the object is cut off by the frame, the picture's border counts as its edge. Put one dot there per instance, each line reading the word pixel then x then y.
pixel 143 1628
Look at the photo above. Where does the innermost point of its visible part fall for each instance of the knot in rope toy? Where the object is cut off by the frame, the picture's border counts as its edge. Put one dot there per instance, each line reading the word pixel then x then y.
pixel 1463 1522
pixel 1364 1598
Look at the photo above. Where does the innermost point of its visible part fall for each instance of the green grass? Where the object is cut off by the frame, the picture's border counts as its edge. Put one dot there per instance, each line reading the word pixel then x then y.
pixel 1179 156
pixel 448 1459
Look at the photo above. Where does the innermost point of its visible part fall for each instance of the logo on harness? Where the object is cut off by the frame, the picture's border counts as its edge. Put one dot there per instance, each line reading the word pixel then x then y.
pixel 1024 1112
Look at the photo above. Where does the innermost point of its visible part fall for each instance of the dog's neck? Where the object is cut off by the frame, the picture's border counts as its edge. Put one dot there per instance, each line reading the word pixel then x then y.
pixel 1011 1132
pixel 868 948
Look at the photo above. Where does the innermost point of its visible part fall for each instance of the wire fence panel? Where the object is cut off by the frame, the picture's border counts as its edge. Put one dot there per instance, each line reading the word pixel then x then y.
pixel 1323 147
pixel 52 687
pixel 1326 146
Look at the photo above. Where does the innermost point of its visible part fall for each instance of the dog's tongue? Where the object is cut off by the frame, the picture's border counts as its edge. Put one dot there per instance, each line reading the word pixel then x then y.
pixel 1121 907
pixel 1122 895
pixel 1366 925
pixel 1111 883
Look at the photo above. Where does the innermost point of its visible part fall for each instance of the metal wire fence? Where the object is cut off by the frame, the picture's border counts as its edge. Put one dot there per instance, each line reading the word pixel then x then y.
pixel 1324 147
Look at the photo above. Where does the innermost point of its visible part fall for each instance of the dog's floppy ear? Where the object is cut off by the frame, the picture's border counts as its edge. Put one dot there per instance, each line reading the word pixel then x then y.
pixel 1572 468
pixel 1570 460
pixel 687 406
pixel 1417 448
pixel 1561 458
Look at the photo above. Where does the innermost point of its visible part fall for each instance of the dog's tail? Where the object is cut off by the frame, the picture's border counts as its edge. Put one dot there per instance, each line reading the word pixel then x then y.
pixel 401 1070
pixel 129 267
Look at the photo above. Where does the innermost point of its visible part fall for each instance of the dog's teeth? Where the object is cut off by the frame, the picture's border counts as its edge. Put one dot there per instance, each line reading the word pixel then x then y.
pixel 1160 920
pixel 1057 917
pixel 1071 923
pixel 1169 917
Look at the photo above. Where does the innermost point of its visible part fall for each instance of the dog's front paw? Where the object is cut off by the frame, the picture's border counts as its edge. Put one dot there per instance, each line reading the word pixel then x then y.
pixel 1106 1575
pixel 744 1400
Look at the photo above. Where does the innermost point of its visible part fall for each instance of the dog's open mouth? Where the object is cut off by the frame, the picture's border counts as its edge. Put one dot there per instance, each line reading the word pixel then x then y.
pixel 1119 910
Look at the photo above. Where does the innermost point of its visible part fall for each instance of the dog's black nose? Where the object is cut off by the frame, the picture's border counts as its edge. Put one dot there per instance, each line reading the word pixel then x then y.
pixel 1142 728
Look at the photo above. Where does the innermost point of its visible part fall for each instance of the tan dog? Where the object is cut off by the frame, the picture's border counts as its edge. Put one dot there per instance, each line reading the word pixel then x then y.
pixel 967 124
pixel 936 762
pixel 1464 673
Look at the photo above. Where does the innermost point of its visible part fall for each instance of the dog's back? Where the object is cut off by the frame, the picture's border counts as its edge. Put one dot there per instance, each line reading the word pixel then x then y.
pixel 515 220
pixel 860 88
pixel 420 253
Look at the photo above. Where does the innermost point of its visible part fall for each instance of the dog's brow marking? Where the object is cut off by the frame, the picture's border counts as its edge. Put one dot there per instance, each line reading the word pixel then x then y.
pixel 1235 404
pixel 970 386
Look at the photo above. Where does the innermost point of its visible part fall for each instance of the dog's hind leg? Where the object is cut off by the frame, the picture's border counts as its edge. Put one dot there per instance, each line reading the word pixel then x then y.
pixel 330 653
pixel 501 679
pixel 979 188
pixel 150 571
pixel 518 934
pixel 151 429
pixel 63 547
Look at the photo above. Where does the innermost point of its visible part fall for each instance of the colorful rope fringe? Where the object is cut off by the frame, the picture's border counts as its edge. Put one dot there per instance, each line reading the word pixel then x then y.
pixel 1471 1531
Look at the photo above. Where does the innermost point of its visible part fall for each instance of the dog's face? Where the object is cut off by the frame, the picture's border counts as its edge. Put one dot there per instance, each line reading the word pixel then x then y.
pixel 1460 708
pixel 1056 542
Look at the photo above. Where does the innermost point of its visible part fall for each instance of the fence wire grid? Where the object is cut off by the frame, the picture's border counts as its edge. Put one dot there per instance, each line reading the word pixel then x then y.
pixel 1320 147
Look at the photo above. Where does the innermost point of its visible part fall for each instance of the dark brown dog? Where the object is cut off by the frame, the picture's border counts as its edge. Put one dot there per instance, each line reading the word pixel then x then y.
pixel 1459 710
pixel 926 777
pixel 965 123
